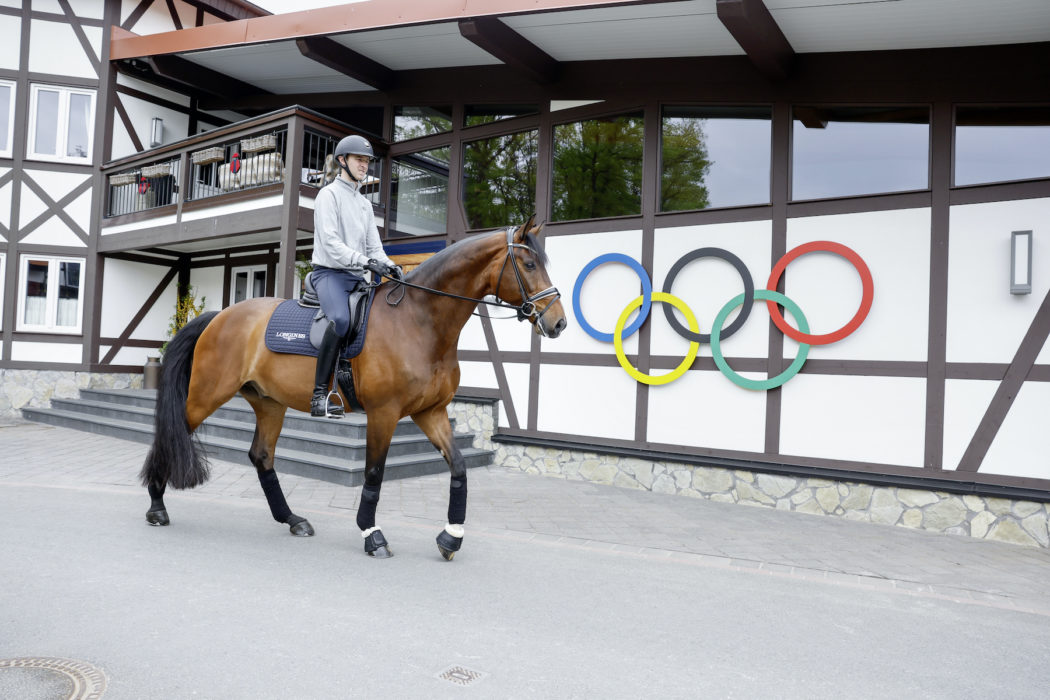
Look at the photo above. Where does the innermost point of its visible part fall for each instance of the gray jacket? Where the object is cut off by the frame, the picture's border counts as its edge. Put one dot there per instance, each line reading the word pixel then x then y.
pixel 345 233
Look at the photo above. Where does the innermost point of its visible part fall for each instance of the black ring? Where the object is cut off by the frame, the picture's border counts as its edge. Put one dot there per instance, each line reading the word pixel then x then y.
pixel 749 293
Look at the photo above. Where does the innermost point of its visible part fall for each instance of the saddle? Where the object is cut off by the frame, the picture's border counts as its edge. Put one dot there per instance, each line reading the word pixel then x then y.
pixel 360 302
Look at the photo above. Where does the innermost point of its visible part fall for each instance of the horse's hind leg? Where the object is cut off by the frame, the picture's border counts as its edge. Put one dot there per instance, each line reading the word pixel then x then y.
pixel 269 417
pixel 434 422
pixel 157 513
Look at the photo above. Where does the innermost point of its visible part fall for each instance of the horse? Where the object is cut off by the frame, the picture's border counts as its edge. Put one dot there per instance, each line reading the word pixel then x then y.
pixel 407 367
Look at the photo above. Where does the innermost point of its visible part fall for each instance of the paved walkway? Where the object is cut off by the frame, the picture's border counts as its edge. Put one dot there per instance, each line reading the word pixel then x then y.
pixel 563 589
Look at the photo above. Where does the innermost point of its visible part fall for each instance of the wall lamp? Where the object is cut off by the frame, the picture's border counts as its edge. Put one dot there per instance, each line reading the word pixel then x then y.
pixel 156 132
pixel 1021 262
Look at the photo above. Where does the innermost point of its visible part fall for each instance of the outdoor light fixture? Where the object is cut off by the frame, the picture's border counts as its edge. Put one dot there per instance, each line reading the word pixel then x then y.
pixel 156 132
pixel 1021 262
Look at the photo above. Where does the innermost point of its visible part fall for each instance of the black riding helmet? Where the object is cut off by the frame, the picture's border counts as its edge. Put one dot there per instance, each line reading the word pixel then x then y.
pixel 353 145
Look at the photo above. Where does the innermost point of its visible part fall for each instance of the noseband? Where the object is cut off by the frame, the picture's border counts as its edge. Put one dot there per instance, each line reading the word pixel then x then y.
pixel 525 310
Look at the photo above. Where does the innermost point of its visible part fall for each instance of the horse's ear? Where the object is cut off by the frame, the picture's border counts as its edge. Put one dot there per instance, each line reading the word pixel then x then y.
pixel 526 228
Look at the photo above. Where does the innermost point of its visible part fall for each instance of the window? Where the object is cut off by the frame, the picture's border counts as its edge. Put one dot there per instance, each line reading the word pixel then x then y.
pixel 61 121
pixel 247 283
pixel 995 144
pixel 714 157
pixel 848 151
pixel 413 122
pixel 7 116
pixel 598 168
pixel 475 115
pixel 419 192
pixel 49 294
pixel 3 270
pixel 499 180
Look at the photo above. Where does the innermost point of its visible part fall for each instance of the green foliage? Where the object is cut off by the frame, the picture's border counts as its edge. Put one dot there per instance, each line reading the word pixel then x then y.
pixel 303 266
pixel 499 177
pixel 187 308
pixel 685 165
pixel 598 168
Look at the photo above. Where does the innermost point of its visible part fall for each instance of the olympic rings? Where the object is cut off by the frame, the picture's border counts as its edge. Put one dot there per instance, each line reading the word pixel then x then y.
pixel 678 371
pixel 772 382
pixel 772 298
pixel 749 291
pixel 865 302
pixel 647 293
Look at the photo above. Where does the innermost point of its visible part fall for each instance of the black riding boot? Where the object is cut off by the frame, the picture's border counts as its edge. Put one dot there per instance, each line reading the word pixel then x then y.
pixel 327 355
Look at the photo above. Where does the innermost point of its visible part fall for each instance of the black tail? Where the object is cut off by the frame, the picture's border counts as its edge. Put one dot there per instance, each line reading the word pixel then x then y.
pixel 175 457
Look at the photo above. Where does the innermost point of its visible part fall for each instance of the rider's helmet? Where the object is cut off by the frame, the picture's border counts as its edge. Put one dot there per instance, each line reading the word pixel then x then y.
pixel 354 145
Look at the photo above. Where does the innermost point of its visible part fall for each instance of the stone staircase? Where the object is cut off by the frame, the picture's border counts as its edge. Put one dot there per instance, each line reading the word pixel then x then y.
pixel 316 448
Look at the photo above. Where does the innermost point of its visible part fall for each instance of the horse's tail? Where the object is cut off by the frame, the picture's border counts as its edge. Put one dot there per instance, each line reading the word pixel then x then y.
pixel 175 457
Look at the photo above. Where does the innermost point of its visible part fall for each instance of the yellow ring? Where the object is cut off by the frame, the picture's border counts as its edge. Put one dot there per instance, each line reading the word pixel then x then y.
pixel 678 371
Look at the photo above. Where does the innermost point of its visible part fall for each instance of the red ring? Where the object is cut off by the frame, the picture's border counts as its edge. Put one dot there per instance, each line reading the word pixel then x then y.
pixel 865 301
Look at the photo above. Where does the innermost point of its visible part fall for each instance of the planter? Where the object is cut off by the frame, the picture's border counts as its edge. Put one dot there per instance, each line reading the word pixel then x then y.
pixel 124 178
pixel 159 170
pixel 207 155
pixel 266 142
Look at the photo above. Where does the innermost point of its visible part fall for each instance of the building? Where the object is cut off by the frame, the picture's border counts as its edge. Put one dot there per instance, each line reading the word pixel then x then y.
pixel 887 162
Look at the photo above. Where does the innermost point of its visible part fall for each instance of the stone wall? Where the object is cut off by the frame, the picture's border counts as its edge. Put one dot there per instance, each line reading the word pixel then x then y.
pixel 983 517
pixel 21 388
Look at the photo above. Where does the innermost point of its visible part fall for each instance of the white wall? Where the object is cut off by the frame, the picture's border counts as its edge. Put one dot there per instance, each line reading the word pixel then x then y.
pixel 125 286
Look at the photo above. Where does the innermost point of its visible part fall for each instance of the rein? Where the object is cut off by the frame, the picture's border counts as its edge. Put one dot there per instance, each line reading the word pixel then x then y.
pixel 526 309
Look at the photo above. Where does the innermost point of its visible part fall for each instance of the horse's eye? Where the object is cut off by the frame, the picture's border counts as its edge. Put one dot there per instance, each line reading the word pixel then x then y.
pixel 530 266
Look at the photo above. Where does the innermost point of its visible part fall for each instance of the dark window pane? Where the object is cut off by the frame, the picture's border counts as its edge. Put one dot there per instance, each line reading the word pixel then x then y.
pixel 714 157
pixel 499 180
pixel 483 114
pixel 419 192
pixel 847 151
pixel 68 311
pixel 994 144
pixel 598 168
pixel 413 122
pixel 35 312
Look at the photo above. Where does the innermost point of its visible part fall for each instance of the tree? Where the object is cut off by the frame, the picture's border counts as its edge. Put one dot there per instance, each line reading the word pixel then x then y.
pixel 685 165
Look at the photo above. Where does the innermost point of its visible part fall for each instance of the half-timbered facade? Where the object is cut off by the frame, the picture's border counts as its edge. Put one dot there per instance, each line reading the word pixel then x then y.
pixel 877 173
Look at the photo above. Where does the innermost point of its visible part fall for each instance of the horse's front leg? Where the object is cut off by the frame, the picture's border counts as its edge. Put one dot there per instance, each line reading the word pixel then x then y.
pixel 434 422
pixel 380 431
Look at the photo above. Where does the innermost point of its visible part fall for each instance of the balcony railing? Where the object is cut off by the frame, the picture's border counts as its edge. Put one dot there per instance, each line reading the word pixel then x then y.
pixel 240 157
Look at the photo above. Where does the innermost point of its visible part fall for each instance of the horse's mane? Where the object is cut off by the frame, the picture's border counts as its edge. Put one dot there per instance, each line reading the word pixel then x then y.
pixel 432 266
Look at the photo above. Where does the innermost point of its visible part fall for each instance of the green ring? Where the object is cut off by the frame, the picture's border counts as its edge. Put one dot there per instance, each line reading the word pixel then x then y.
pixel 772 382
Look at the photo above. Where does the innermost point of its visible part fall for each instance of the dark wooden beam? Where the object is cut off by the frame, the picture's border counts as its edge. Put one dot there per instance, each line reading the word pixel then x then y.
pixel 200 78
pixel 510 47
pixel 347 61
pixel 228 10
pixel 759 36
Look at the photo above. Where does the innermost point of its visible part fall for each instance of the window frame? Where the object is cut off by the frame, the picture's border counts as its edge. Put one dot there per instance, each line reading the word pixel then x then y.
pixel 956 108
pixel 9 151
pixel 62 136
pixel 51 297
pixel 250 269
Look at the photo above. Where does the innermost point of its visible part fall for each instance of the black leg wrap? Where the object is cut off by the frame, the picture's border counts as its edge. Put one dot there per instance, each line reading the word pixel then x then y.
pixel 366 512
pixel 274 496
pixel 377 546
pixel 457 501
pixel 157 513
pixel 448 545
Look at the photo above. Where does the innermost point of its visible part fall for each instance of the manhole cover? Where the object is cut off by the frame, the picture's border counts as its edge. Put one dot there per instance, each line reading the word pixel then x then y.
pixel 50 679
pixel 460 675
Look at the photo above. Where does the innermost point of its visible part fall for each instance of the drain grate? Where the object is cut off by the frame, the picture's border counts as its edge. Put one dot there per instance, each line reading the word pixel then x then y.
pixel 88 682
pixel 460 675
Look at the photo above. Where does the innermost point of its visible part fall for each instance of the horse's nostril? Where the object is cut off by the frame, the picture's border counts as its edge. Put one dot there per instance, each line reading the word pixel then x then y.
pixel 560 325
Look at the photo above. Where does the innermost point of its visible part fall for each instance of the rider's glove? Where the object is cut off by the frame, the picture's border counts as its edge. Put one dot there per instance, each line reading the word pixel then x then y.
pixel 382 269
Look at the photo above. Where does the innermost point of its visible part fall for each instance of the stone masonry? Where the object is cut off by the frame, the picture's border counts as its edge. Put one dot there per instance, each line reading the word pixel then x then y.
pixel 1019 522
pixel 22 388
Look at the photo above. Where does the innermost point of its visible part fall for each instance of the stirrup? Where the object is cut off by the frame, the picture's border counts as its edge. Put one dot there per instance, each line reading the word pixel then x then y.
pixel 332 411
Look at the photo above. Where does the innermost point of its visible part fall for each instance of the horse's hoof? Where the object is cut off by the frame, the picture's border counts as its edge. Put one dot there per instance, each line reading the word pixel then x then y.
pixel 448 545
pixel 157 517
pixel 377 546
pixel 300 527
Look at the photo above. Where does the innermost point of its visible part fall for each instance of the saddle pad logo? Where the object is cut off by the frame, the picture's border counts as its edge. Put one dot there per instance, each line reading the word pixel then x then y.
pixel 289 336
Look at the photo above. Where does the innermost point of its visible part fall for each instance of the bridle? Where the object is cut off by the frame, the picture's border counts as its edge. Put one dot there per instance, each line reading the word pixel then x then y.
pixel 527 309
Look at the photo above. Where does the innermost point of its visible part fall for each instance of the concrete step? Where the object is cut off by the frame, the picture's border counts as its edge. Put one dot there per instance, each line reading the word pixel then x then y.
pixel 316 448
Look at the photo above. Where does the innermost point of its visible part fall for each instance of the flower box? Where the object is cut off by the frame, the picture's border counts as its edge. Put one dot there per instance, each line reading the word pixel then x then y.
pixel 124 178
pixel 207 155
pixel 266 142
pixel 158 170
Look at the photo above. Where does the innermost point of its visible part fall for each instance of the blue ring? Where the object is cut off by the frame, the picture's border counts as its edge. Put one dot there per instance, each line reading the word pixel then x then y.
pixel 647 295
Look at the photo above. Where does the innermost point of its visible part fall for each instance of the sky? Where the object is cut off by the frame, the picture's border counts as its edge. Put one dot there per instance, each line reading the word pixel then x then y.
pixel 280 7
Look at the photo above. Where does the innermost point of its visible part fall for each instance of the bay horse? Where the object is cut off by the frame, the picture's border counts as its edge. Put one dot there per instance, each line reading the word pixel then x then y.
pixel 407 367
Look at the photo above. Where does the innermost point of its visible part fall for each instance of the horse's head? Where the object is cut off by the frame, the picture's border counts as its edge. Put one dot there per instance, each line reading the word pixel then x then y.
pixel 523 280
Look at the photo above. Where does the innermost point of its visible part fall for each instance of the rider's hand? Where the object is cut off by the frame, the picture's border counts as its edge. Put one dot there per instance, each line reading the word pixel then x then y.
pixel 382 269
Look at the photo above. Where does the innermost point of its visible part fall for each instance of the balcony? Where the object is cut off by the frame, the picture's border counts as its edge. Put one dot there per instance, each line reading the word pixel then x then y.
pixel 247 182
